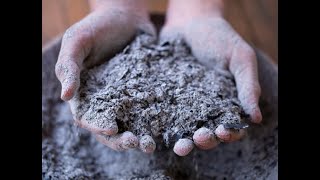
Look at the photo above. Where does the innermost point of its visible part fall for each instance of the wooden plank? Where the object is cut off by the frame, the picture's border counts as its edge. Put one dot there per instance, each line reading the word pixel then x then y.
pixel 58 15
pixel 236 16
pixel 255 21
pixel 76 10
pixel 52 21
pixel 157 6
pixel 262 26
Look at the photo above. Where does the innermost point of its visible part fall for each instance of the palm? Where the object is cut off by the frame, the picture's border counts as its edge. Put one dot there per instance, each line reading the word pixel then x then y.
pixel 90 41
pixel 213 41
pixel 215 44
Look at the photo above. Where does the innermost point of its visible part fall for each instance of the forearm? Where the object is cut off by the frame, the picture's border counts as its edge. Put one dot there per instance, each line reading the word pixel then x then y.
pixel 180 11
pixel 138 6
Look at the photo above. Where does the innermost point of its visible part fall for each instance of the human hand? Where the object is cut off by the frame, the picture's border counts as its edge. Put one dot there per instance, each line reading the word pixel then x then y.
pixel 217 45
pixel 98 36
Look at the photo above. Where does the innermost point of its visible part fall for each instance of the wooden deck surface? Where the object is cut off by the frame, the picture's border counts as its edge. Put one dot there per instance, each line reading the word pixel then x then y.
pixel 255 20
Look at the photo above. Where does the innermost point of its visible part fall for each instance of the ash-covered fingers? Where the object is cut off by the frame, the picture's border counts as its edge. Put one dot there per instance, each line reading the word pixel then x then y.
pixel 147 144
pixel 205 139
pixel 119 142
pixel 183 147
pixel 229 135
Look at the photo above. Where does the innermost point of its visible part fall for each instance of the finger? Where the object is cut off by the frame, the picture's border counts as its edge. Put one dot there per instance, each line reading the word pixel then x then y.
pixel 75 47
pixel 205 139
pixel 183 147
pixel 119 142
pixel 147 144
pixel 228 135
pixel 129 140
pixel 243 65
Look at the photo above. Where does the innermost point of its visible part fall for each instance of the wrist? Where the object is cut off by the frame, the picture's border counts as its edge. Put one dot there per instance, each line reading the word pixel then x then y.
pixel 180 12
pixel 134 7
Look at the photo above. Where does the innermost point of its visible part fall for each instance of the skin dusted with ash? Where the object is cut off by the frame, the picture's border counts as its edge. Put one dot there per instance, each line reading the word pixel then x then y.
pixel 162 91
pixel 215 43
pixel 97 37
pixel 101 34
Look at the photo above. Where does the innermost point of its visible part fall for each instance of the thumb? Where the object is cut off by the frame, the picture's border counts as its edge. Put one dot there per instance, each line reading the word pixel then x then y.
pixel 74 49
pixel 243 65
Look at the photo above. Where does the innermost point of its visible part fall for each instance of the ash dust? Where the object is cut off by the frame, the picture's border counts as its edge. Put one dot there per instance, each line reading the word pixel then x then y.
pixel 158 89
pixel 69 152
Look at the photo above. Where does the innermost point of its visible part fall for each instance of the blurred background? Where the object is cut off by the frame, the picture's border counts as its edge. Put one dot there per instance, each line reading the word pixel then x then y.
pixel 255 20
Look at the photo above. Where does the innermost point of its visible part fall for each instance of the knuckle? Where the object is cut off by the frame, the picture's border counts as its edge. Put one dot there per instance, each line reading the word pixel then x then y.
pixel 70 33
pixel 77 34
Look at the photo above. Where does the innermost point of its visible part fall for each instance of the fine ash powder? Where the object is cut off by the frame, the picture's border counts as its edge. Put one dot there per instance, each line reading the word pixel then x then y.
pixel 158 89
pixel 69 152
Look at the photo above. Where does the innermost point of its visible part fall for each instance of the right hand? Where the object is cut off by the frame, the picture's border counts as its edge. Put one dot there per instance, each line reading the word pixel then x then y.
pixel 97 37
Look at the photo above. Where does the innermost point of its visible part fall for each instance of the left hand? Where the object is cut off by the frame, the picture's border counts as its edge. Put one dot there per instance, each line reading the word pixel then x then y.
pixel 216 44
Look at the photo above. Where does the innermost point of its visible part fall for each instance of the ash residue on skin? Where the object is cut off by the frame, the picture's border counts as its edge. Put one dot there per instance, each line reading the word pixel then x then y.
pixel 69 152
pixel 159 90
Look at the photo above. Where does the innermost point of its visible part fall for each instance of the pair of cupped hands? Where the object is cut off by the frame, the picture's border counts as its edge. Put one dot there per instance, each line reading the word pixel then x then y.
pixel 213 42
